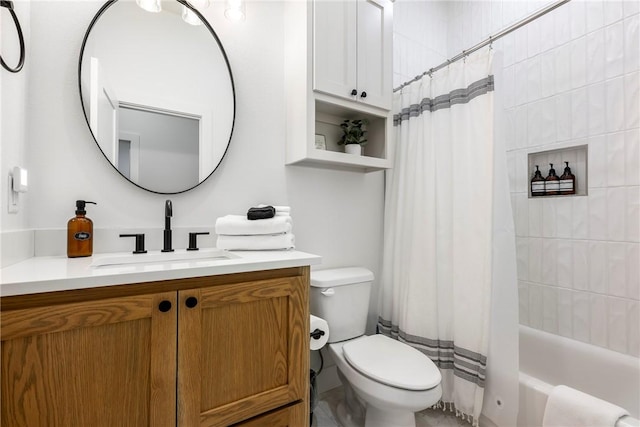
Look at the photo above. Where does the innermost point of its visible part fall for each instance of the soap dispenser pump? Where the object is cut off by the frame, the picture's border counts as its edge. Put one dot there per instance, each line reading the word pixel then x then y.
pixel 80 232
pixel 567 181
pixel 552 182
pixel 537 184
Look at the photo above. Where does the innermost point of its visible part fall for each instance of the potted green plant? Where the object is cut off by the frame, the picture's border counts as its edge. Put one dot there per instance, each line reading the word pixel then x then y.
pixel 353 136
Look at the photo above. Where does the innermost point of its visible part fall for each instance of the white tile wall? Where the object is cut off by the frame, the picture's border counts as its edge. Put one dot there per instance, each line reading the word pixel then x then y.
pixel 565 312
pixel 599 320
pixel 572 78
pixel 418 44
pixel 633 321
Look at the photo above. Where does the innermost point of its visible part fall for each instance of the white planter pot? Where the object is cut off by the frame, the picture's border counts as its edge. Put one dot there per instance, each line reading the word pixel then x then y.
pixel 353 149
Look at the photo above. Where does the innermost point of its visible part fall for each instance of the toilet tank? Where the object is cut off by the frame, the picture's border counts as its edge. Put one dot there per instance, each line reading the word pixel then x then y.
pixel 341 297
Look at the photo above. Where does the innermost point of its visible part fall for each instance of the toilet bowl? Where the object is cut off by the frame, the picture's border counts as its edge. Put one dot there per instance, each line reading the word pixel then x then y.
pixel 392 380
pixel 409 383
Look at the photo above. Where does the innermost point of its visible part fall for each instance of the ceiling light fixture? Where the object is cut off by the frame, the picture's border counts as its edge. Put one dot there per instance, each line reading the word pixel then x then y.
pixel 235 10
pixel 190 17
pixel 150 5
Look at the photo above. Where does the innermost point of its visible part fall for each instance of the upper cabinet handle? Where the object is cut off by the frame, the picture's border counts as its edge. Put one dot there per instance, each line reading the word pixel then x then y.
pixel 191 302
pixel 354 92
pixel 363 94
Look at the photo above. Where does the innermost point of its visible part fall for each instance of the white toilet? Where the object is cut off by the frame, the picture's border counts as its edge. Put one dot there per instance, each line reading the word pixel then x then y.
pixel 391 379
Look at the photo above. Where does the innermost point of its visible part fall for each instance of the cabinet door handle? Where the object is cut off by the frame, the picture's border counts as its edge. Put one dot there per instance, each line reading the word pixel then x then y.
pixel 164 306
pixel 191 302
pixel 354 92
pixel 363 94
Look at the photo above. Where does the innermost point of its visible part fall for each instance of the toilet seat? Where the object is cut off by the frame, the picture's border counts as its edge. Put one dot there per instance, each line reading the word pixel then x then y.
pixel 382 397
pixel 392 363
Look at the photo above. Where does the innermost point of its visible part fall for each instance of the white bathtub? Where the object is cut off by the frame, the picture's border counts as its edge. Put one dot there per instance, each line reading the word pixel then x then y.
pixel 547 360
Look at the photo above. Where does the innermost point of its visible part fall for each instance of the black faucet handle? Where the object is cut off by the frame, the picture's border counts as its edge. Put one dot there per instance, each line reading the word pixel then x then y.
pixel 139 242
pixel 193 240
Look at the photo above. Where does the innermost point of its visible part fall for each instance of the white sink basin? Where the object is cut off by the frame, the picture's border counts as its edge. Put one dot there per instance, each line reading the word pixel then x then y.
pixel 160 257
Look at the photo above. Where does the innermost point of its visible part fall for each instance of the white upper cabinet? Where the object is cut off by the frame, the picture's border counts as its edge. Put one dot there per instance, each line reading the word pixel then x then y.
pixel 352 42
pixel 352 51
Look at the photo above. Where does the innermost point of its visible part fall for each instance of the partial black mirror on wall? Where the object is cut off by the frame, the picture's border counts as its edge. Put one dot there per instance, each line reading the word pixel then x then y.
pixel 9 5
pixel 157 93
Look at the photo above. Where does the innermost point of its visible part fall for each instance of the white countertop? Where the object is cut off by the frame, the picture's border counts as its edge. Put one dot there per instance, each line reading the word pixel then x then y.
pixel 59 273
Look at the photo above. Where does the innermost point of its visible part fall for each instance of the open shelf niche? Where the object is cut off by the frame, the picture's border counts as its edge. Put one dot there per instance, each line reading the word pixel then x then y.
pixel 328 113
pixel 576 156
pixel 328 120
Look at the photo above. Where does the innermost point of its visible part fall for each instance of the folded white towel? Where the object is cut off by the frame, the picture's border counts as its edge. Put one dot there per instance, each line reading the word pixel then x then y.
pixel 280 210
pixel 239 225
pixel 256 243
pixel 567 407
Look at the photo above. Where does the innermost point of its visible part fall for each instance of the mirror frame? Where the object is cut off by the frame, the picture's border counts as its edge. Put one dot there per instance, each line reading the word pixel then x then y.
pixel 95 19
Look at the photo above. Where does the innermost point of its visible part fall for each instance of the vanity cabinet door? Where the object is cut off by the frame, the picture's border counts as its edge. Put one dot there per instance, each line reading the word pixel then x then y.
pixel 108 362
pixel 290 416
pixel 243 350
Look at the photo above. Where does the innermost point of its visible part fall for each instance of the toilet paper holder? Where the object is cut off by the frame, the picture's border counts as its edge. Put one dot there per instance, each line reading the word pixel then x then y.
pixel 317 334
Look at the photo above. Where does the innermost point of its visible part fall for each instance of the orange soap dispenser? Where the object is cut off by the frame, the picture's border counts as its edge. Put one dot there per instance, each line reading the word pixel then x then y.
pixel 80 232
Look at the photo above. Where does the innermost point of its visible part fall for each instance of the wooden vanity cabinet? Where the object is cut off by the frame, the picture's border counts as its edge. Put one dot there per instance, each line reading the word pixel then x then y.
pixel 209 351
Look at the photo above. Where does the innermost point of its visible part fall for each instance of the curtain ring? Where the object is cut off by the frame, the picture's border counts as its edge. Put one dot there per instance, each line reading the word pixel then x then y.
pixel 9 5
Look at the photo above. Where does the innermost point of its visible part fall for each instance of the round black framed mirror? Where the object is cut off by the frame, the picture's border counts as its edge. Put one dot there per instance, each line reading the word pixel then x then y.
pixel 157 93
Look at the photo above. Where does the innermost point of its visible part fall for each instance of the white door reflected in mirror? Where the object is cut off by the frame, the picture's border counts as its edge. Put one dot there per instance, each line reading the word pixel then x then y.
pixel 103 111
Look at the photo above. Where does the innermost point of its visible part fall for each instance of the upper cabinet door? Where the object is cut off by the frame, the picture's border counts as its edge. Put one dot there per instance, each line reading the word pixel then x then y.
pixel 334 47
pixel 352 42
pixel 375 32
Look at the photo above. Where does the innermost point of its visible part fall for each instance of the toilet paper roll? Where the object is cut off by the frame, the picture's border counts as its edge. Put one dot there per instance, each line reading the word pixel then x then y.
pixel 316 323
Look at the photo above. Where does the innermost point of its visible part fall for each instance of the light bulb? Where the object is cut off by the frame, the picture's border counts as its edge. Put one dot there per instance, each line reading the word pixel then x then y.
pixel 150 5
pixel 189 17
pixel 200 4
pixel 235 10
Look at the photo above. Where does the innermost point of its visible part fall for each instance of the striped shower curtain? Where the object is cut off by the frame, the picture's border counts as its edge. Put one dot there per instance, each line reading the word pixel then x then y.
pixel 441 236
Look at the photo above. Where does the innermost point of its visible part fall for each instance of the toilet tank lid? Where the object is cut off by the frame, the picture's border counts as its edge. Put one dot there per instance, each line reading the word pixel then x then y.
pixel 340 276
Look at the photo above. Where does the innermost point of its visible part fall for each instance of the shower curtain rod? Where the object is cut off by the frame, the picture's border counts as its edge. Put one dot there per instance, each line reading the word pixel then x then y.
pixel 487 41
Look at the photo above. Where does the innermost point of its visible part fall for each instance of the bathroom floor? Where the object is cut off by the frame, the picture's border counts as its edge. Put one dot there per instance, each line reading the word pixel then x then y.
pixel 325 413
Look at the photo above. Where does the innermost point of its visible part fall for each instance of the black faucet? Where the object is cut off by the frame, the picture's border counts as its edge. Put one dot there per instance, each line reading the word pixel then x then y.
pixel 168 213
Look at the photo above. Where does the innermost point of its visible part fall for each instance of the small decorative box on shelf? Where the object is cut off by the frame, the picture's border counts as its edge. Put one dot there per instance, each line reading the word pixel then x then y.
pixel 560 172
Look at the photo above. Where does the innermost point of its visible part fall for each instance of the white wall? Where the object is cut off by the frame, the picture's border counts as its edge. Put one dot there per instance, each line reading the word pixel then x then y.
pixel 571 78
pixel 419 37
pixel 13 106
pixel 16 241
pixel 336 214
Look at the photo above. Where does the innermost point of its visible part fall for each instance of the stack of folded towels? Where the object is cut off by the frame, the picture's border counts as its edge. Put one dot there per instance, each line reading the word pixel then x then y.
pixel 263 228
